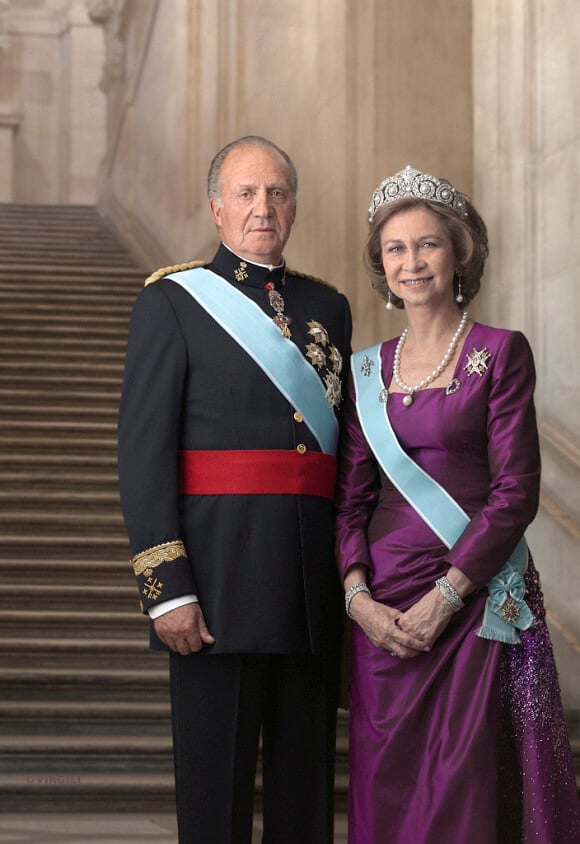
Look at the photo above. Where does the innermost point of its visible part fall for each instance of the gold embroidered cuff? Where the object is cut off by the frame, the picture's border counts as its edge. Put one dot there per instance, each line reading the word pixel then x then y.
pixel 153 557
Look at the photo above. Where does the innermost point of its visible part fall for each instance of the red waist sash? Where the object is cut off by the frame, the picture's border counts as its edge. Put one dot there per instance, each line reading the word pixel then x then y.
pixel 261 472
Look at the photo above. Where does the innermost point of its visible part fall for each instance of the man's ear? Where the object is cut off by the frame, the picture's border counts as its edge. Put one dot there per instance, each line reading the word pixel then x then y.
pixel 216 212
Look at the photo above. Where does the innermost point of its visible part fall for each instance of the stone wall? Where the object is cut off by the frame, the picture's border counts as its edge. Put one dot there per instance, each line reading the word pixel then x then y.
pixel 51 109
pixel 526 165
pixel 352 91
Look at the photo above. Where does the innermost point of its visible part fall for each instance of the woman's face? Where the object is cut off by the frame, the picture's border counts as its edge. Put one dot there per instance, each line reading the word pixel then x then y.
pixel 418 258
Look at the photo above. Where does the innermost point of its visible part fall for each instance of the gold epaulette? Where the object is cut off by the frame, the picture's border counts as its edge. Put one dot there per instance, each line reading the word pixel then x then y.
pixel 175 269
pixel 311 278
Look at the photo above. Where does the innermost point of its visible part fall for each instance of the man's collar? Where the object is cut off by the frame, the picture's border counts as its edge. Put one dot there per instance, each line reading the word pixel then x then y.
pixel 240 271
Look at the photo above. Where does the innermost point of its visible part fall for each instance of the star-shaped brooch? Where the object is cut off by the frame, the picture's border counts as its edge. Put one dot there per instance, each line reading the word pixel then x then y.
pixel 477 362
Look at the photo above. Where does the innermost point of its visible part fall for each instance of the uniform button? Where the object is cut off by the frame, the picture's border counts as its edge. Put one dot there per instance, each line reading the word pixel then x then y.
pixel 298 416
pixel 301 448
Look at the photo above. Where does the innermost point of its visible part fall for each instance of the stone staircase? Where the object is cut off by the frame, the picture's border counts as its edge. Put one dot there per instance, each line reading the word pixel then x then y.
pixel 84 713
pixel 84 719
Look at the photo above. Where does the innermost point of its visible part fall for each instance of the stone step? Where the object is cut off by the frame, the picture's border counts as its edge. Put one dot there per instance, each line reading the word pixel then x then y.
pixel 103 289
pixel 31 596
pixel 76 571
pixel 44 318
pixel 71 545
pixel 73 754
pixel 23 481
pixel 83 272
pixel 72 526
pixel 78 330
pixel 130 791
pixel 49 371
pixel 67 652
pixel 42 434
pixel 54 499
pixel 103 793
pixel 78 683
pixel 58 347
pixel 72 623
pixel 66 307
pixel 74 717
pixel 97 456
pixel 20 401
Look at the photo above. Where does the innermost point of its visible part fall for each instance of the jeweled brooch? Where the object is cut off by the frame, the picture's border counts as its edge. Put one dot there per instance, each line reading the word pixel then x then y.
pixel 477 362
pixel 366 366
pixel 453 387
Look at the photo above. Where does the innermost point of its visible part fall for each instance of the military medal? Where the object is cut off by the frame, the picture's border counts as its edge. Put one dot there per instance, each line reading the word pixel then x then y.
pixel 315 355
pixel 281 320
pixel 240 273
pixel 319 332
pixel 319 356
pixel 333 388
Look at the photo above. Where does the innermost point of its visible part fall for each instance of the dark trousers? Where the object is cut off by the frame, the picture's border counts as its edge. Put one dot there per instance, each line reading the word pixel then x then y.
pixel 220 705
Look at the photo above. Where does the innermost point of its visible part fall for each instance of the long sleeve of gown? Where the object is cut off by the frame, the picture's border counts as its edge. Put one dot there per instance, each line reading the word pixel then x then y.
pixel 357 490
pixel 514 463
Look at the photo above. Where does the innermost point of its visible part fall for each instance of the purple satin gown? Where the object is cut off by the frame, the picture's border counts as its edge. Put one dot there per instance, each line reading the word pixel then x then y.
pixel 466 744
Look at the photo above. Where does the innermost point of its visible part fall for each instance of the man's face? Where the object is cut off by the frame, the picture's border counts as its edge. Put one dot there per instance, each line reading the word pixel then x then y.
pixel 257 207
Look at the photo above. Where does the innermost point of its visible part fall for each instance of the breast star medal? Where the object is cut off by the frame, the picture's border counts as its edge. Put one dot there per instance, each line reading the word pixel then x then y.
pixel 333 391
pixel 320 334
pixel 477 362
pixel 320 356
pixel 315 355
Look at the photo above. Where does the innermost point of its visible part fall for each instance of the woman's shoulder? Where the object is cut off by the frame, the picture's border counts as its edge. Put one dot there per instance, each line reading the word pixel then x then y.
pixel 498 337
pixel 505 349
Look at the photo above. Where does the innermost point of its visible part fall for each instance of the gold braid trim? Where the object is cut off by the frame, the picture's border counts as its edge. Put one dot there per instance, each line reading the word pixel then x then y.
pixel 177 268
pixel 153 557
pixel 311 278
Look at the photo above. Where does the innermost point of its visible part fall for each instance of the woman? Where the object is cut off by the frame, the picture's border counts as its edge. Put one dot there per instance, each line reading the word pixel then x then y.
pixel 457 731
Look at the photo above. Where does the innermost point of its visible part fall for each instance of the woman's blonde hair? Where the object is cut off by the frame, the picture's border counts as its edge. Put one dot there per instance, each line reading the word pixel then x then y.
pixel 468 236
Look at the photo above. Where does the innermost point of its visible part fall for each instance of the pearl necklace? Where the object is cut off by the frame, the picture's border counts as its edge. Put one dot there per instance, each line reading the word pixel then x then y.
pixel 408 399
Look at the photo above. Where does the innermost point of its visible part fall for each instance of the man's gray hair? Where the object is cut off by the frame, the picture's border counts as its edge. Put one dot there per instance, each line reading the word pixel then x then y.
pixel 214 186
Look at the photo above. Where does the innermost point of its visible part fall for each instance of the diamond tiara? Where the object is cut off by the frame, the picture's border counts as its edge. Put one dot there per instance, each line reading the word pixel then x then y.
pixel 412 183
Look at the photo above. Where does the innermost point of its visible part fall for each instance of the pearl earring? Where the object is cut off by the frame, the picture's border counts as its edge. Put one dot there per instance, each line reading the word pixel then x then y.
pixel 459 297
pixel 389 305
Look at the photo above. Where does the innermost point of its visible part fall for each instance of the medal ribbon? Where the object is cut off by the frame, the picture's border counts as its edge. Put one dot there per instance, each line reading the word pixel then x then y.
pixel 279 358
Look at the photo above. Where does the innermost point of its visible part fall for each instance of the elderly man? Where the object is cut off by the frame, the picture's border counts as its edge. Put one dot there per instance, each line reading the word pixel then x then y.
pixel 227 443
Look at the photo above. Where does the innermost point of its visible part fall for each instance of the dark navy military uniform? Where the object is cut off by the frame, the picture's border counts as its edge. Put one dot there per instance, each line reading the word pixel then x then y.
pixel 262 566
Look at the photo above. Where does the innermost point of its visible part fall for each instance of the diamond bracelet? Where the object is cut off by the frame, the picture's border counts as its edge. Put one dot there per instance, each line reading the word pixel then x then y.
pixel 354 590
pixel 451 596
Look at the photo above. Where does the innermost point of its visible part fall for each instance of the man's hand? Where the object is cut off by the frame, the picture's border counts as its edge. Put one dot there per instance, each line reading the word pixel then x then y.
pixel 184 629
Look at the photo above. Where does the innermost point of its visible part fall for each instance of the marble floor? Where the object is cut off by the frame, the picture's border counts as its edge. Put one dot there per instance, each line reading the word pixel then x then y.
pixel 103 829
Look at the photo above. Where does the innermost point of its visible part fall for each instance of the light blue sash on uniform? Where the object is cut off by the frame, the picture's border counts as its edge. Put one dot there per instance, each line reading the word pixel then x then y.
pixel 280 359
pixel 505 607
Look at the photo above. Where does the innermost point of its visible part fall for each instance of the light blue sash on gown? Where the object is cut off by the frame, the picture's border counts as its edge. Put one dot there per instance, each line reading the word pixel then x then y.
pixel 279 358
pixel 505 608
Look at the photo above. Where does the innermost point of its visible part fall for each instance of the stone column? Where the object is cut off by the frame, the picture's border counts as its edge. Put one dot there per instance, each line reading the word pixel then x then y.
pixel 8 127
